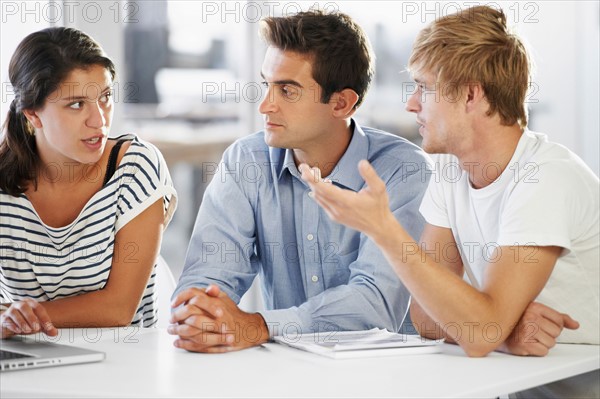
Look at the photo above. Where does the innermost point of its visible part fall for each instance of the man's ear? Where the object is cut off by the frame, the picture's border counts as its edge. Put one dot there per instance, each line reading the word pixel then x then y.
pixel 33 118
pixel 343 103
pixel 474 96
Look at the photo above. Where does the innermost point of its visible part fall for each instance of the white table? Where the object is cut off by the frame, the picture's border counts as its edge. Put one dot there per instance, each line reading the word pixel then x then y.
pixel 143 363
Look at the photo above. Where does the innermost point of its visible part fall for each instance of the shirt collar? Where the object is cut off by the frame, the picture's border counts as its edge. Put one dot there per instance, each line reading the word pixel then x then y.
pixel 345 173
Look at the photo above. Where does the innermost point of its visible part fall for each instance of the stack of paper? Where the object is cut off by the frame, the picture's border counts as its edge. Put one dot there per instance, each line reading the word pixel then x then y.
pixel 348 344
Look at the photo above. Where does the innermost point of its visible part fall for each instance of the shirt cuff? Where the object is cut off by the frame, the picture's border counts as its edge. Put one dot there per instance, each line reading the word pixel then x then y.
pixel 285 322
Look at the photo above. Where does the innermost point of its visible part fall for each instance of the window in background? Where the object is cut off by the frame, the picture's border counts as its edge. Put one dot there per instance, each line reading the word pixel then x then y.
pixel 185 64
pixel 198 62
pixel 190 65
pixel 391 34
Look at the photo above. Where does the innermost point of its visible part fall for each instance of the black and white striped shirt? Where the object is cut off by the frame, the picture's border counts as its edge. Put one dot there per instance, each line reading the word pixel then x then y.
pixel 46 263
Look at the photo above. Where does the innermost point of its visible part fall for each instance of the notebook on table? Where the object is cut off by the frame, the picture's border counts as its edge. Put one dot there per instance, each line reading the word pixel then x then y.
pixel 352 344
pixel 18 353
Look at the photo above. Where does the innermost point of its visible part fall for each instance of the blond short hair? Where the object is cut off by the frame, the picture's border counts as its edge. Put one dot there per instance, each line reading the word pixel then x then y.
pixel 475 46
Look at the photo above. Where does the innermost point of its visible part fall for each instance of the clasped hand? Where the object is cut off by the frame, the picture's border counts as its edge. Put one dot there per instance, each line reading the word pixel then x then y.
pixel 207 320
pixel 537 331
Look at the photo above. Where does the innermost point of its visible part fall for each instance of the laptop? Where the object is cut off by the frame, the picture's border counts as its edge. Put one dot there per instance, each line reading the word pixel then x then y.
pixel 19 353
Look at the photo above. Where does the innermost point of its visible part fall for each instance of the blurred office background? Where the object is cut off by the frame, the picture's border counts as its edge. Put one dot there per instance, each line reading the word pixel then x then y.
pixel 189 73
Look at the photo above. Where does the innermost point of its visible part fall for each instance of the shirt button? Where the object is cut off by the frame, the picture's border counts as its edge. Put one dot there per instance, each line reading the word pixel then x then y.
pixel 310 237
pixel 314 279
pixel 311 194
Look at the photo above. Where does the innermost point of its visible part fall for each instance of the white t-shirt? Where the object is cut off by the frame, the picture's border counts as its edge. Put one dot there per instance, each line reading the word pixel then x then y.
pixel 546 196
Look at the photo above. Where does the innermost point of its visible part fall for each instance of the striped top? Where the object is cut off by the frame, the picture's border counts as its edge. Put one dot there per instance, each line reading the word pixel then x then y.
pixel 46 263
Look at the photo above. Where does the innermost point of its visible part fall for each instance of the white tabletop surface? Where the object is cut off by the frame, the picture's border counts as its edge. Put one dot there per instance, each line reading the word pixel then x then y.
pixel 144 363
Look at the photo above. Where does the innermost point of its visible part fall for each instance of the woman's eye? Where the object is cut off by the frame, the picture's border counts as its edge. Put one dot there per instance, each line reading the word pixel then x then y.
pixel 265 84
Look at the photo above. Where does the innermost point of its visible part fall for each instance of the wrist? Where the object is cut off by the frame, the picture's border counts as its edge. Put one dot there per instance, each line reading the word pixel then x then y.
pixel 263 331
pixel 386 232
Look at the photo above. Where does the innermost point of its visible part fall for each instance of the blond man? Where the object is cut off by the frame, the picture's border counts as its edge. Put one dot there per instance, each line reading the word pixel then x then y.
pixel 518 219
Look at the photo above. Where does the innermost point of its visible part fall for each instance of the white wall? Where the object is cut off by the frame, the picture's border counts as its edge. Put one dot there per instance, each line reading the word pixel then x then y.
pixel 17 20
pixel 564 43
pixel 588 30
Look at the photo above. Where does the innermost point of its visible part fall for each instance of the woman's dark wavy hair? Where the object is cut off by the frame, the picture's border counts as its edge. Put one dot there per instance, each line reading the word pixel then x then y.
pixel 37 68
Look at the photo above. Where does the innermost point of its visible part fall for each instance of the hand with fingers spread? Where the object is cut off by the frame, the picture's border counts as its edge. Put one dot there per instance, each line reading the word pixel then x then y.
pixel 26 317
pixel 366 211
pixel 207 320
pixel 537 330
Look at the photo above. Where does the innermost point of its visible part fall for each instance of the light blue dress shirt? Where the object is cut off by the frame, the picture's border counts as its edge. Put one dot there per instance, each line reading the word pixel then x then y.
pixel 258 217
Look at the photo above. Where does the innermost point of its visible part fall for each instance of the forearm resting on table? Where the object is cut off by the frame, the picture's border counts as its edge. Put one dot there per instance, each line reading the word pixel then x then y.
pixel 94 309
pixel 469 333
pixel 425 325
pixel 479 321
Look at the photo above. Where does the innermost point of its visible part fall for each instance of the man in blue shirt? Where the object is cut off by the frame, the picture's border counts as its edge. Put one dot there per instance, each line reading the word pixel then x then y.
pixel 259 217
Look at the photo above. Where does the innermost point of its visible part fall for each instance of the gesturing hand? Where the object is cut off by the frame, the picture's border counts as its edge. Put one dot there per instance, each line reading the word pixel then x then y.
pixel 26 317
pixel 209 321
pixel 365 211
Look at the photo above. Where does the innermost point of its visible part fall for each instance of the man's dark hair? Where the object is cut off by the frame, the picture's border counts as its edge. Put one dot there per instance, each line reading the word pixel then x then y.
pixel 341 52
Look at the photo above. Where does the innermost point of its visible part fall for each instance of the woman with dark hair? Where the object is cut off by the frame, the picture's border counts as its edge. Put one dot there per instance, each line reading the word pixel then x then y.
pixel 81 214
